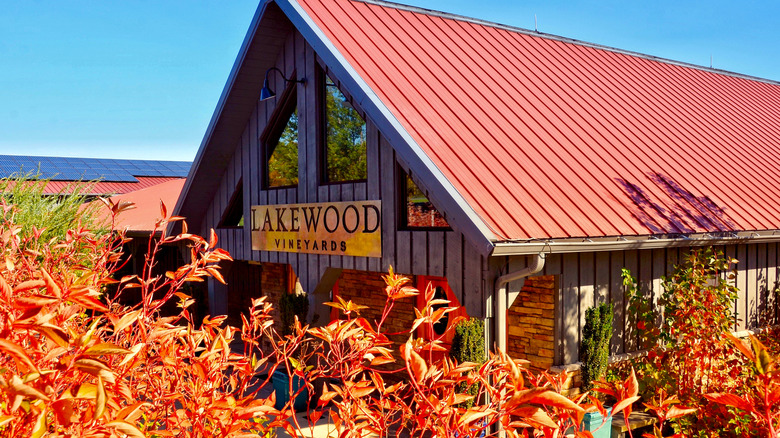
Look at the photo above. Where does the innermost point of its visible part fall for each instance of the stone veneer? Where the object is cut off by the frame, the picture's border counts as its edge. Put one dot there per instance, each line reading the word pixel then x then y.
pixel 531 321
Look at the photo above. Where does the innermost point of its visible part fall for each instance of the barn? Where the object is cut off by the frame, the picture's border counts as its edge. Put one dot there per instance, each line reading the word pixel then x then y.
pixel 516 171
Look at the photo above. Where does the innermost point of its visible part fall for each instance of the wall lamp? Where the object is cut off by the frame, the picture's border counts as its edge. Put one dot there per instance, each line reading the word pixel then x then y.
pixel 267 92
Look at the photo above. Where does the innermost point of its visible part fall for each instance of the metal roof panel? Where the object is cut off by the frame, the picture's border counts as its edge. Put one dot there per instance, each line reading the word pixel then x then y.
pixel 551 138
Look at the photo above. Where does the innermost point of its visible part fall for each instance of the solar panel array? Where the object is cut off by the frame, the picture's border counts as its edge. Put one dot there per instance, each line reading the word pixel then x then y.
pixel 89 169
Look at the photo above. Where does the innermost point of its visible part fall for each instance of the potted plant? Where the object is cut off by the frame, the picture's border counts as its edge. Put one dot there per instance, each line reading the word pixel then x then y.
pixel 291 305
pixel 468 345
pixel 594 355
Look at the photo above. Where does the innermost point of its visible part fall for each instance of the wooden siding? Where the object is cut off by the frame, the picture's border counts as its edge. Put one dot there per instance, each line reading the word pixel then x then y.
pixel 590 278
pixel 433 253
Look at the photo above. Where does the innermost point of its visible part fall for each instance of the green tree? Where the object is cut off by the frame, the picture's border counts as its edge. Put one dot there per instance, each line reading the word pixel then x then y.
pixel 345 137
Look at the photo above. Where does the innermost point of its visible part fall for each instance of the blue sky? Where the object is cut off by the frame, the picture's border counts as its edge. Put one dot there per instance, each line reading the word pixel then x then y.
pixel 140 79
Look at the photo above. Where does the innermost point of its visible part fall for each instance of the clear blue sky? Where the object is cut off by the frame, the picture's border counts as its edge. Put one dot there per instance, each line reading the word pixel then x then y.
pixel 140 79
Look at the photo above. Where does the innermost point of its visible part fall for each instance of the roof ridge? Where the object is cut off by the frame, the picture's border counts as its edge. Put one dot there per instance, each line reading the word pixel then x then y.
pixel 536 33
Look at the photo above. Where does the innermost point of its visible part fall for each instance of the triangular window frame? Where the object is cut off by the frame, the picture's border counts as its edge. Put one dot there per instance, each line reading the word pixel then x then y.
pixel 404 207
pixel 233 215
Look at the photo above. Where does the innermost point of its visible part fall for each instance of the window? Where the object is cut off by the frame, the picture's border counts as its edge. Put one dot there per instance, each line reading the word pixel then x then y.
pixel 233 216
pixel 344 137
pixel 420 212
pixel 281 142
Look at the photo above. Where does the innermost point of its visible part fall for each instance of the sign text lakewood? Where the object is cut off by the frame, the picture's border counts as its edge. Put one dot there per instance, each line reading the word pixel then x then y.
pixel 333 228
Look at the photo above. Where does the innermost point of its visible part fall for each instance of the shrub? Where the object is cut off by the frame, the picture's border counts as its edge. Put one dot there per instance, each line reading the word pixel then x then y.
pixel 292 305
pixel 690 354
pixel 468 345
pixel 75 363
pixel 596 337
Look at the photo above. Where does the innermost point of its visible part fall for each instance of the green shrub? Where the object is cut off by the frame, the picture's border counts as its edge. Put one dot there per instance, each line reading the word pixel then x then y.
pixel 468 345
pixel 51 216
pixel 290 306
pixel 595 343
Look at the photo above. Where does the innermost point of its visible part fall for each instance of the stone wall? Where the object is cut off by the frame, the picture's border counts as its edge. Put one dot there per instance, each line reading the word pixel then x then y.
pixel 368 289
pixel 531 321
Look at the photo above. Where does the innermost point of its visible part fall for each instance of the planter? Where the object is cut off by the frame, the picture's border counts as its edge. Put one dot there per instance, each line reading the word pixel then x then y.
pixel 281 382
pixel 593 423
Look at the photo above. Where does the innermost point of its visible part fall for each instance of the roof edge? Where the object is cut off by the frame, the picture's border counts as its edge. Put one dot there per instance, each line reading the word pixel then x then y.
pixel 474 229
pixel 464 18
pixel 574 245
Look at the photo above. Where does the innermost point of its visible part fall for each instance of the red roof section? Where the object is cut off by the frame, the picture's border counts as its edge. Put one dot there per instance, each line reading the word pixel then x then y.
pixel 106 187
pixel 550 138
pixel 143 217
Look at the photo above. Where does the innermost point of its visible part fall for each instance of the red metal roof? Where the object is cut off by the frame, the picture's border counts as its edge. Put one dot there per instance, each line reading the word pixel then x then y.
pixel 110 188
pixel 142 218
pixel 550 138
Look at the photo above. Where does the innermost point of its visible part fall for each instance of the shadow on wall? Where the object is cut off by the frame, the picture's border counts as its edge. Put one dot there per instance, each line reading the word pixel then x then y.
pixel 681 212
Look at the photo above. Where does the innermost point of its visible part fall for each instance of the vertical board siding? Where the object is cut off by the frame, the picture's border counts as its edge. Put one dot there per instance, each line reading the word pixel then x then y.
pixel 431 253
pixel 586 279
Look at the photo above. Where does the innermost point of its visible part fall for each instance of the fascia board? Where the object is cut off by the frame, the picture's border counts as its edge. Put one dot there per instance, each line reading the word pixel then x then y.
pixel 447 197
pixel 568 246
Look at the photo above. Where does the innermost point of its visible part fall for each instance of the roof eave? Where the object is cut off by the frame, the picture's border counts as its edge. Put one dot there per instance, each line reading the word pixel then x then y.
pixel 566 246
pixel 461 215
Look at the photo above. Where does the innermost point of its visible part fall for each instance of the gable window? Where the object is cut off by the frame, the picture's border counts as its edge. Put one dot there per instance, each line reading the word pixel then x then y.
pixel 280 140
pixel 233 216
pixel 344 155
pixel 419 212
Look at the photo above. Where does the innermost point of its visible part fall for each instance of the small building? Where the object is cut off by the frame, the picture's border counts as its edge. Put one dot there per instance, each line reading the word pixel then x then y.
pixel 516 171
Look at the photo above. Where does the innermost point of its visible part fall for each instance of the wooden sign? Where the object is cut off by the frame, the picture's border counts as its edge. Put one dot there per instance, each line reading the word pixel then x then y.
pixel 333 228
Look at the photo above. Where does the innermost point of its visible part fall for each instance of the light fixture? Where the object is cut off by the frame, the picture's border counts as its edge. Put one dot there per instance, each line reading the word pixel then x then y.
pixel 267 92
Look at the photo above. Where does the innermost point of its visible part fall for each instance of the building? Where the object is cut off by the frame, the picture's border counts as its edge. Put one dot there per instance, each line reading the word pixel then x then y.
pixel 104 176
pixel 518 171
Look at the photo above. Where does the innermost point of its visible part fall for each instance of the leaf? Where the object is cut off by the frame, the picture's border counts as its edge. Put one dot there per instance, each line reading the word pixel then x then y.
pixel 623 404
pixel 730 400
pixel 63 410
pixel 763 360
pixel 29 284
pixel 17 353
pixel 126 320
pixel 5 419
pixel 18 387
pixel 40 425
pixel 56 334
pixel 553 399
pixel 126 428
pixel 100 399
pixel 417 365
pixel 33 301
pixel 95 368
pixel 474 414
pixel 106 348
pixel 679 411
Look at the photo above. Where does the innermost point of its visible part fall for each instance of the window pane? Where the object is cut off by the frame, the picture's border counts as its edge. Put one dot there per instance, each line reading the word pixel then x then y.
pixel 420 212
pixel 283 162
pixel 345 138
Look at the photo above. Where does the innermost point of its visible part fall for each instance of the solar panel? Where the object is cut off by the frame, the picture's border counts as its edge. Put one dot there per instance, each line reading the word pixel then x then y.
pixel 105 169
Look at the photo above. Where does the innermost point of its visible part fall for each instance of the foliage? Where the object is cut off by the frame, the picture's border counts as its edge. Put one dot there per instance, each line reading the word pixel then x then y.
pixel 689 353
pixel 468 345
pixel 73 363
pixel 345 136
pixel 596 337
pixel 761 398
pixel 283 159
pixel 292 306
pixel 50 217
